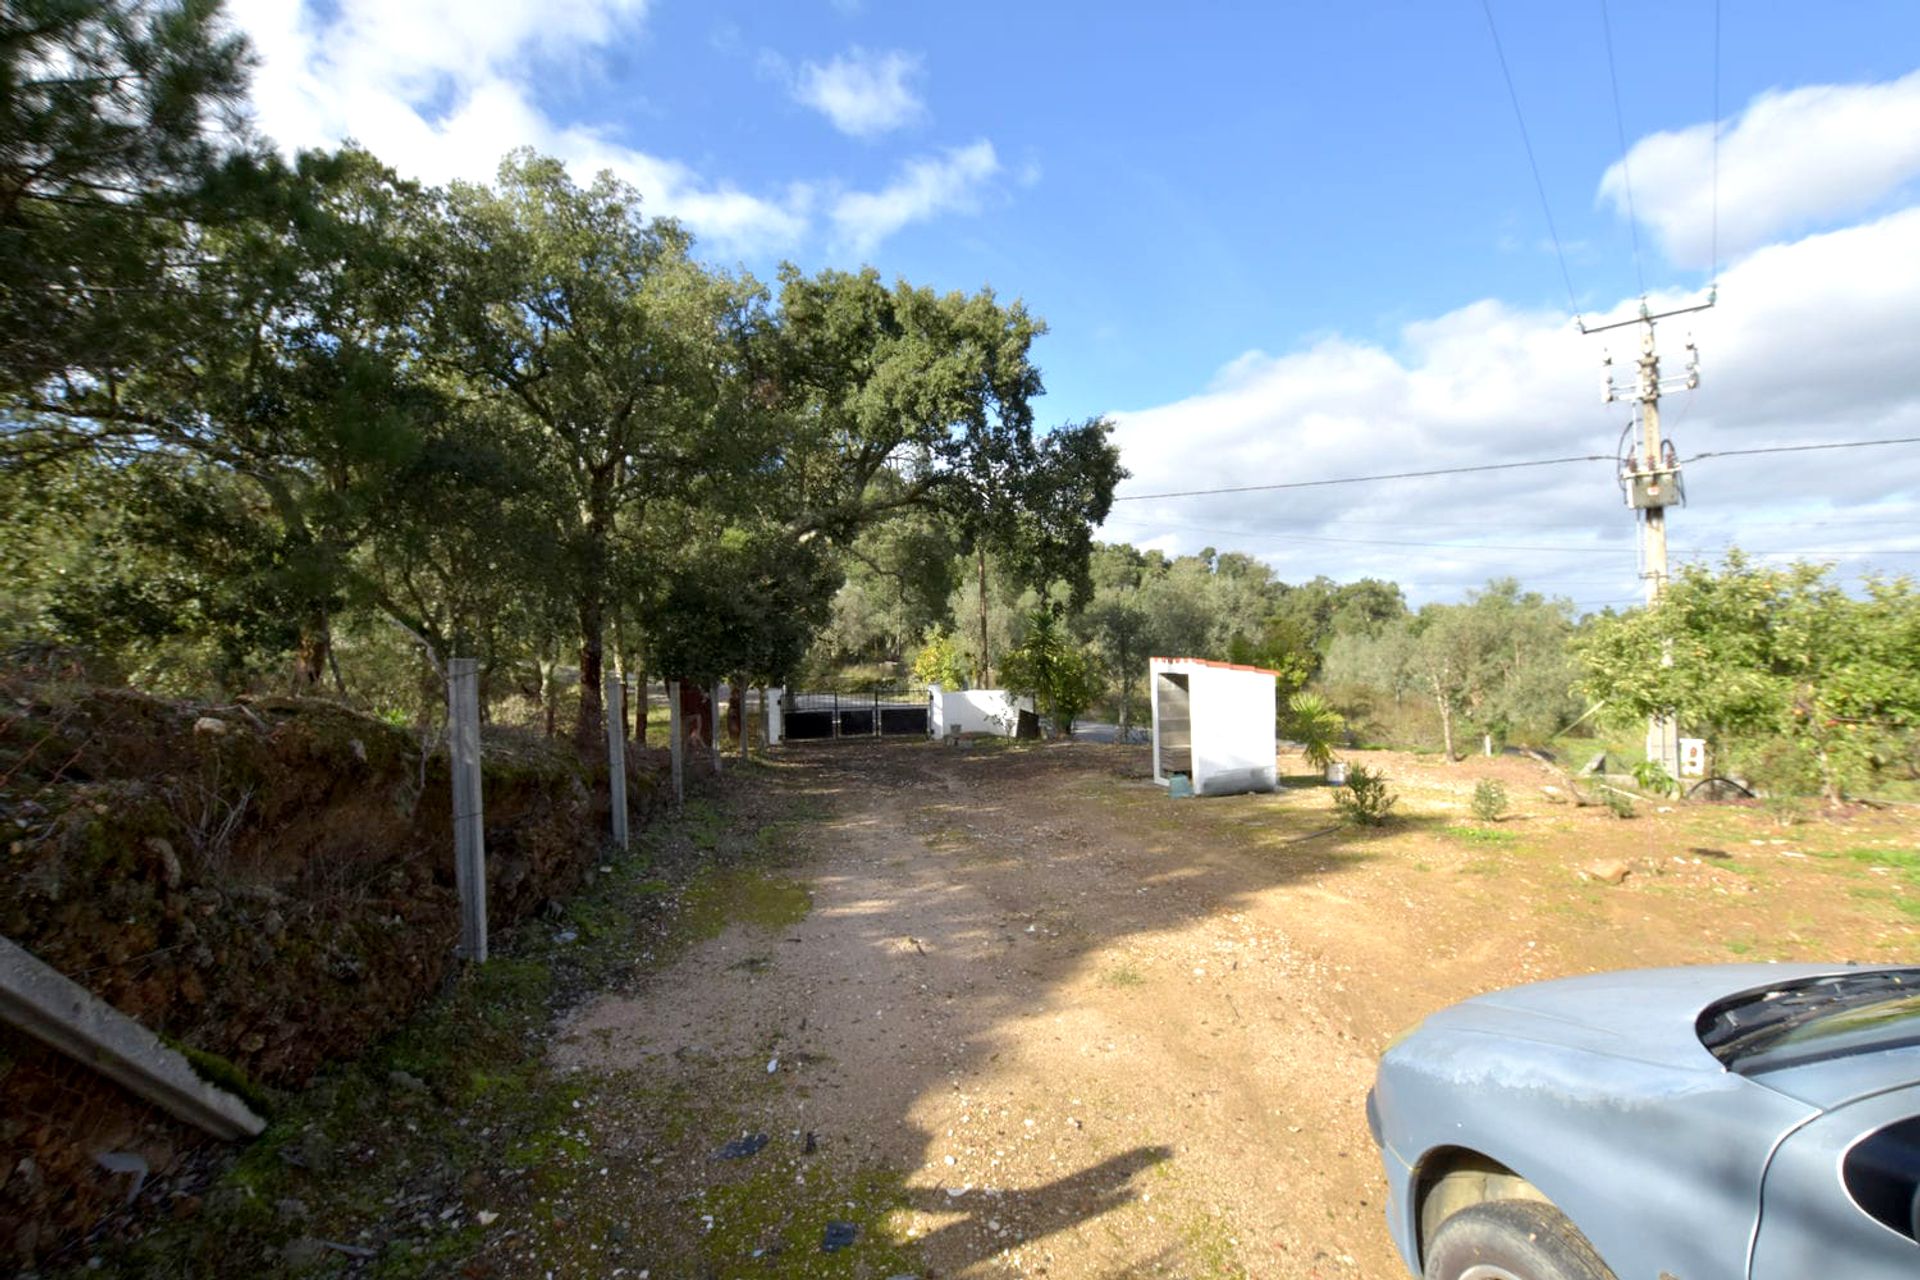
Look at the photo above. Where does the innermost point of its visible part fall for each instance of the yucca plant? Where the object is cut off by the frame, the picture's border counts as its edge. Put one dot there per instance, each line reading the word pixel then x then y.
pixel 1315 723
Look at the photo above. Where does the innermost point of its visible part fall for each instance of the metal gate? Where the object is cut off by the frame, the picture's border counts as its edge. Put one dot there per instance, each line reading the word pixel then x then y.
pixel 889 713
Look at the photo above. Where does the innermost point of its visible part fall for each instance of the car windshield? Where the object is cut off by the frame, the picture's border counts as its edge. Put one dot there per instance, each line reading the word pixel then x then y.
pixel 1823 1017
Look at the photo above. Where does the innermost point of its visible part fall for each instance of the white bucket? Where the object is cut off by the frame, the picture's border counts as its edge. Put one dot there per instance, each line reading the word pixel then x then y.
pixel 1337 774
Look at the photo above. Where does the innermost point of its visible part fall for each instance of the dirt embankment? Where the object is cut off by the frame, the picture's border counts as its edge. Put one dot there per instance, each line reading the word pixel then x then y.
pixel 269 885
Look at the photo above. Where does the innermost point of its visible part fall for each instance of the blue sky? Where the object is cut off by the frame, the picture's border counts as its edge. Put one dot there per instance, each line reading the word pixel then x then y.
pixel 1274 242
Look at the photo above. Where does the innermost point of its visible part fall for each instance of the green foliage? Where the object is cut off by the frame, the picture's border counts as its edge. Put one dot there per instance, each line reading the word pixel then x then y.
pixel 1313 722
pixel 114 117
pixel 1366 799
pixel 253 456
pixel 1651 775
pixel 940 661
pixel 740 605
pixel 1497 663
pixel 1060 676
pixel 1784 673
pixel 1489 800
pixel 1785 810
pixel 1618 802
pixel 898 576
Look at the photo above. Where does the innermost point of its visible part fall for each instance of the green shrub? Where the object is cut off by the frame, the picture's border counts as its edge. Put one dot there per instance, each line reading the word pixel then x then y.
pixel 1365 800
pixel 1652 776
pixel 1315 723
pixel 1617 800
pixel 1489 801
pixel 1786 811
pixel 940 661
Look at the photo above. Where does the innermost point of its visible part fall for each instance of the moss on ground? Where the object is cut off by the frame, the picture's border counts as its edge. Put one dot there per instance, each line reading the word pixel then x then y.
pixel 723 896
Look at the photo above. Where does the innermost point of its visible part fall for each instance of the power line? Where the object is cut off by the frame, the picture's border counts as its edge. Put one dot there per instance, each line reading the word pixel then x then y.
pixel 1341 521
pixel 1800 448
pixel 1578 548
pixel 1397 475
pixel 1527 141
pixel 1501 466
pixel 1620 127
pixel 1424 544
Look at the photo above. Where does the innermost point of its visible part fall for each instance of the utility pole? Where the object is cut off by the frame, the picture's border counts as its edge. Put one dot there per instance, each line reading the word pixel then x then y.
pixel 1650 480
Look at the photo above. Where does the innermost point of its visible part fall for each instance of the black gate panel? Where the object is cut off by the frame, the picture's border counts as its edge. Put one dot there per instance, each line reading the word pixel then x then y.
pixel 904 720
pixel 857 724
pixel 808 724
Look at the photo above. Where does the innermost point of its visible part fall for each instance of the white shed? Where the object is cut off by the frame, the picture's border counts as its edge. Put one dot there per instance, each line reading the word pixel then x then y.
pixel 1214 722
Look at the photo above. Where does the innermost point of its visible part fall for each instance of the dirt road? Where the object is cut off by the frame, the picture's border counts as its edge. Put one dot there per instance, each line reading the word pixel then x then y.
pixel 1085 1058
pixel 1040 1019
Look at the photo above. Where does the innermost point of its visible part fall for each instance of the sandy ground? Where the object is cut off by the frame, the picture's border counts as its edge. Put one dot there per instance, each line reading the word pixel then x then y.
pixel 1100 1033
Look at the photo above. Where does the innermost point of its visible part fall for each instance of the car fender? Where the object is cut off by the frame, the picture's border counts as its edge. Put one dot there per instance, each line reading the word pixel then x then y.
pixel 1659 1166
pixel 1807 1218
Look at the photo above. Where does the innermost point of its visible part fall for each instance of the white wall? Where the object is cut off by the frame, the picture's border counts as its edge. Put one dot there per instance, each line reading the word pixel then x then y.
pixel 974 711
pixel 1234 740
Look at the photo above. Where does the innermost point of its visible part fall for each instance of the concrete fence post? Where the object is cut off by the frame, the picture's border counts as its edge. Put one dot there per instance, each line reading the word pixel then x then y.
pixel 617 755
pixel 743 690
pixel 677 737
pixel 771 698
pixel 713 738
pixel 45 1004
pixel 469 829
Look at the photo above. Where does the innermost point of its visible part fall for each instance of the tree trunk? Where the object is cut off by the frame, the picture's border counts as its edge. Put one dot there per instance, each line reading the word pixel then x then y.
pixel 311 653
pixel 1446 725
pixel 589 727
pixel 550 692
pixel 640 706
pixel 986 665
pixel 339 681
pixel 738 714
pixel 1830 782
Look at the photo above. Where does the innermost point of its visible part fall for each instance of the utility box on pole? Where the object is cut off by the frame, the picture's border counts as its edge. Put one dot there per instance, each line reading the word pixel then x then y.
pixel 1652 488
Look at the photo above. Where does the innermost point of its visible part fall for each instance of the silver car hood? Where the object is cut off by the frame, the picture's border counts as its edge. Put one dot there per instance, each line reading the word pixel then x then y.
pixel 1642 1015
pixel 1839 1081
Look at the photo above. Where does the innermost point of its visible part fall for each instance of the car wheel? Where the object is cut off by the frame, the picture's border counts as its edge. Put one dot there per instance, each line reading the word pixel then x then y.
pixel 1512 1240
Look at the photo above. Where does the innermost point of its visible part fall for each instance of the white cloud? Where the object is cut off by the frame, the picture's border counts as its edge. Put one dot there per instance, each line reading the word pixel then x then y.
pixel 1810 343
pixel 1792 161
pixel 864 94
pixel 442 89
pixel 925 188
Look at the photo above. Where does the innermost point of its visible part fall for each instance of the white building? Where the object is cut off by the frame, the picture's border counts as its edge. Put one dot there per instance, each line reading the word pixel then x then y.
pixel 1214 722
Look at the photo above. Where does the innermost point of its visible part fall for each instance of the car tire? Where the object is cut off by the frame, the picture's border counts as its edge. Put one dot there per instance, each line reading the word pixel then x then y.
pixel 1512 1240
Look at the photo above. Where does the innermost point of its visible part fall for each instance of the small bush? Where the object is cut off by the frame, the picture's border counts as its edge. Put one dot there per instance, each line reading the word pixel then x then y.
pixel 1652 777
pixel 1365 799
pixel 1489 801
pixel 1786 811
pixel 1316 724
pixel 1618 801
